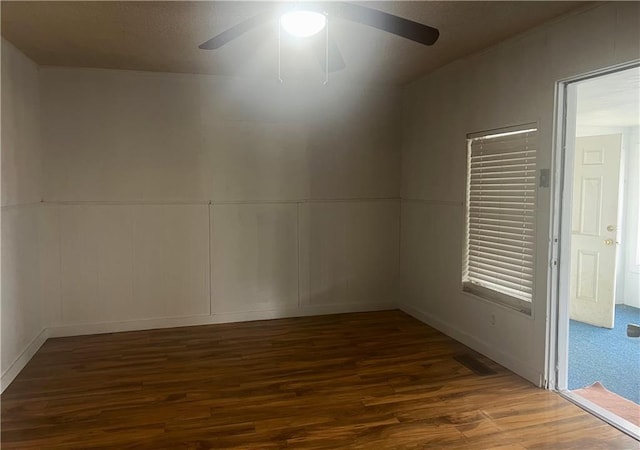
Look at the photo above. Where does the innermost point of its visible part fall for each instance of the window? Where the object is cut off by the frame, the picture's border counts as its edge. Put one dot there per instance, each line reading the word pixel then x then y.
pixel 500 216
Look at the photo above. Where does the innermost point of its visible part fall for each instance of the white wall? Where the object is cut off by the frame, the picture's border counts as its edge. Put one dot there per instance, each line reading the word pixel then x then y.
pixel 177 199
pixel 631 238
pixel 21 306
pixel 511 83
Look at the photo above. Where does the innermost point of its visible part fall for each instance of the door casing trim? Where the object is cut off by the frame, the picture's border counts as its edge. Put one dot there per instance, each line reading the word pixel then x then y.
pixel 556 363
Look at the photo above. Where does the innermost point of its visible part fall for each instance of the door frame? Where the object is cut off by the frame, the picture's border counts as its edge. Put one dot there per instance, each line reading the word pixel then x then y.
pixel 557 348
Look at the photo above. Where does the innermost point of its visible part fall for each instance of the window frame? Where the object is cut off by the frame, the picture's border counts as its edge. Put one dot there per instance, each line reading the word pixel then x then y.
pixel 483 292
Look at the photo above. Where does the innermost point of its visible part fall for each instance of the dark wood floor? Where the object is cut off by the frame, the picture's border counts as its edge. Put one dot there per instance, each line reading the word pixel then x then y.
pixel 372 381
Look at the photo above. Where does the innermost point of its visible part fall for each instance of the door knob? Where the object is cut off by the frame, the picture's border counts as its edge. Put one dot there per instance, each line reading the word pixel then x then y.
pixel 608 242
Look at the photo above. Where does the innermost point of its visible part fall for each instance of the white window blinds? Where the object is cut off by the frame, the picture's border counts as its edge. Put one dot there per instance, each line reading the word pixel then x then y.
pixel 500 212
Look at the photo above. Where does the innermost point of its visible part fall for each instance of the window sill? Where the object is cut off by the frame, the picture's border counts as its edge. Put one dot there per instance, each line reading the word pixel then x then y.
pixel 505 306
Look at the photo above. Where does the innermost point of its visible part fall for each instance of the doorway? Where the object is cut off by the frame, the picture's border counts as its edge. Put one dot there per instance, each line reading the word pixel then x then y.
pixel 596 285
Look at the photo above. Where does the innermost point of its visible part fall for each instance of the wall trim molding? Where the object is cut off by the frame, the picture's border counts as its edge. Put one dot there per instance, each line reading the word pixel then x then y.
pixel 515 365
pixel 432 202
pixel 195 202
pixel 21 361
pixel 22 205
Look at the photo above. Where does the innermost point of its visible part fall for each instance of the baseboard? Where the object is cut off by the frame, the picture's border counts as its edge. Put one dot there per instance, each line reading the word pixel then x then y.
pixel 173 322
pixel 127 325
pixel 21 361
pixel 303 311
pixel 513 364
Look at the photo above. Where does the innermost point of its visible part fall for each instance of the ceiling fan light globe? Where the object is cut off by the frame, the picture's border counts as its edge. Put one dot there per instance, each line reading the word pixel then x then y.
pixel 303 23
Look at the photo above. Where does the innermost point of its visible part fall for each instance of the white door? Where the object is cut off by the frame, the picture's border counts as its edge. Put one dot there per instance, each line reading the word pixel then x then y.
pixel 594 229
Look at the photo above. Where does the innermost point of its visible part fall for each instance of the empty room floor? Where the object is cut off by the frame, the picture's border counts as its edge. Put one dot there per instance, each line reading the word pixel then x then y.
pixel 366 380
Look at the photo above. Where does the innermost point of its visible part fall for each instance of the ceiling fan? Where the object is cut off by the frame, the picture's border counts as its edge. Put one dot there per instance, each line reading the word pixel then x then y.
pixel 304 19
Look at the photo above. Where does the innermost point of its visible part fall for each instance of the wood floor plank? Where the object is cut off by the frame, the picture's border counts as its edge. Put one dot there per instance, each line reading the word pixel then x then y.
pixel 377 380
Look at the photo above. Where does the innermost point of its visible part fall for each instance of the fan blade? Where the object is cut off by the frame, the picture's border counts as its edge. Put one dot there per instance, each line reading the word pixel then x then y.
pixel 236 31
pixel 405 28
pixel 336 62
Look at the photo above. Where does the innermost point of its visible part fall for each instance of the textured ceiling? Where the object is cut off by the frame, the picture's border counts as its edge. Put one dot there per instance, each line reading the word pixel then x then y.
pixel 164 36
